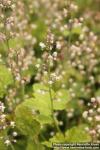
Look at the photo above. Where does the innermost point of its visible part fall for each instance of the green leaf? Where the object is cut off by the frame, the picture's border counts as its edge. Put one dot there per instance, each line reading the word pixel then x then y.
pixel 78 90
pixel 41 103
pixel 25 121
pixel 33 108
pixel 42 100
pixel 66 33
pixel 77 30
pixel 97 93
pixel 42 96
pixel 5 80
pixel 77 134
pixel 58 138
pixel 21 143
pixel 13 42
pixel 43 119
pixel 34 145
pixel 62 98
pixel 2 145
pixel 40 31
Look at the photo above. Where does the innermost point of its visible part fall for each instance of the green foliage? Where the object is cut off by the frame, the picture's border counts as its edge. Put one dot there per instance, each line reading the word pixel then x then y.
pixel 58 138
pixel 63 97
pixel 34 145
pixel 42 103
pixel 97 93
pixel 13 42
pixel 76 30
pixel 41 30
pixel 25 121
pixel 2 145
pixel 42 99
pixel 31 106
pixel 5 80
pixel 77 134
pixel 21 144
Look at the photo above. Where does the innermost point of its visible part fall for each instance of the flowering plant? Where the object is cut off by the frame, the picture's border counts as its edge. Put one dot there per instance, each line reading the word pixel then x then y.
pixel 49 73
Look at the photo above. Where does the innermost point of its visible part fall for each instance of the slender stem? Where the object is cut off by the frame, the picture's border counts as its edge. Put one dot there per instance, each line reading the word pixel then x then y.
pixel 12 147
pixel 51 98
pixel 6 40
pixel 22 91
pixel 8 48
pixel 70 30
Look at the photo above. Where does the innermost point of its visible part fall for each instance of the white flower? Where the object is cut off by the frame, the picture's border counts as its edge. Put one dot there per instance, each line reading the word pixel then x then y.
pixel 37 65
pixel 93 99
pixel 15 134
pixel 86 129
pixel 60 123
pixel 18 78
pixel 50 82
pixel 52 133
pixel 90 119
pixel 2 107
pixel 97 118
pixel 99 131
pixel 91 111
pixel 93 132
pixel 58 45
pixel 42 45
pixel 7 142
pixel 98 110
pixel 70 114
pixel 98 126
pixel 98 100
pixel 55 54
pixel 85 114
pixel 12 123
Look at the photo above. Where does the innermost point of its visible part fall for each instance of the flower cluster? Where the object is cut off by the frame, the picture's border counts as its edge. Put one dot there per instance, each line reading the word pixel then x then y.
pixel 6 124
pixel 6 3
pixel 19 61
pixel 92 115
pixel 2 116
